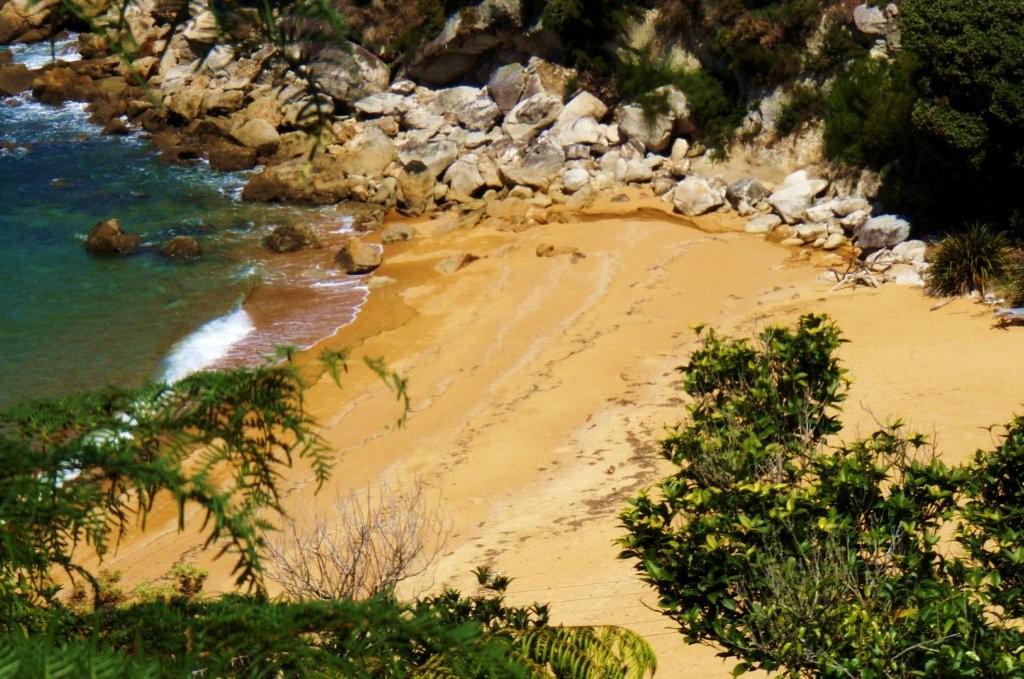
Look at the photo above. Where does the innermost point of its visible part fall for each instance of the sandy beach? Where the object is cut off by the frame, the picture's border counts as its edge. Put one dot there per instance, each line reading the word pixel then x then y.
pixel 541 386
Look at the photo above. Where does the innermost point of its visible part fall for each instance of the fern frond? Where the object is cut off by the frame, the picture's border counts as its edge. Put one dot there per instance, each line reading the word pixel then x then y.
pixel 606 652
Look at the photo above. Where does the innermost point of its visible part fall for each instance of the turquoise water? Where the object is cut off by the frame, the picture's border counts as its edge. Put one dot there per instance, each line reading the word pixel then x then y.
pixel 70 321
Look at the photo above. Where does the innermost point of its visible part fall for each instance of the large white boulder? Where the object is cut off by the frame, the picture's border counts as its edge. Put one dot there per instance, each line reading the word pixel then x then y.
pixel 696 196
pixel 884 231
pixel 795 195
pixel 653 131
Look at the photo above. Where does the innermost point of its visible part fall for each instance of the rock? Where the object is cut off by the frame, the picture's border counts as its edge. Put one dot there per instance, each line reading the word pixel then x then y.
pixel 506 86
pixel 809 233
pixel 482 33
pixel 549 250
pixel 118 127
pixel 854 220
pixel 796 195
pixel 834 241
pixel 450 265
pixel 435 155
pixel 26 20
pixel 870 20
pixel 819 213
pixel 258 134
pixel 480 114
pixel 416 188
pixel 883 231
pixel 575 178
pixel 382 104
pixel 910 252
pixel 843 207
pixel 532 115
pixel 348 75
pixel 294 181
pixel 356 257
pixel 653 132
pixel 15 79
pixel 762 224
pixel 182 248
pixel 637 171
pixel 680 147
pixel 375 282
pixel 583 105
pixel 580 131
pixel 395 233
pixel 678 108
pixel 663 185
pixel 746 190
pixel 696 196
pixel 368 153
pixel 225 156
pixel 539 165
pixel 464 176
pixel 59 84
pixel 291 238
pixel 108 238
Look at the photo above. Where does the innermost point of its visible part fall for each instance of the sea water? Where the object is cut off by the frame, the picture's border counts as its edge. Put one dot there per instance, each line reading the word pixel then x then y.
pixel 72 321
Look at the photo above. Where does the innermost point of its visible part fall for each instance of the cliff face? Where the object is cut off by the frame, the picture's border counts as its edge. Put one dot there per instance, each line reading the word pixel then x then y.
pixel 472 117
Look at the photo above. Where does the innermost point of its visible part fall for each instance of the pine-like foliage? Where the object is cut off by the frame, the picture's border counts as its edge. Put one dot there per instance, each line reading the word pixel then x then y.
pixel 79 471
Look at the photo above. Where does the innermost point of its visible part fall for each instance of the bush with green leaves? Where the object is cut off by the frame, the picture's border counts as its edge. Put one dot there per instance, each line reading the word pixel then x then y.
pixel 967 261
pixel 798 553
pixel 77 472
pixel 944 119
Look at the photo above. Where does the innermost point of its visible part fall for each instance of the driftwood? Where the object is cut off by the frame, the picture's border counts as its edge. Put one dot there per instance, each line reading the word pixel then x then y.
pixel 857 273
pixel 1006 317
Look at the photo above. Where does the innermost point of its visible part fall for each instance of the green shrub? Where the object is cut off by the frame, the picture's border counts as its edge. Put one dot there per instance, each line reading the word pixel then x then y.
pixel 806 104
pixel 973 259
pixel 1012 285
pixel 799 554
pixel 867 113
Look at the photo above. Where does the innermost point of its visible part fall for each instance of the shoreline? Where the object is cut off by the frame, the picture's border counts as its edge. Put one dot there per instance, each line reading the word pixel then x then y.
pixel 541 385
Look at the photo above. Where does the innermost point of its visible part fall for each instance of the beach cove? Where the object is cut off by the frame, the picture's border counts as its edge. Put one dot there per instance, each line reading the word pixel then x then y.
pixel 541 386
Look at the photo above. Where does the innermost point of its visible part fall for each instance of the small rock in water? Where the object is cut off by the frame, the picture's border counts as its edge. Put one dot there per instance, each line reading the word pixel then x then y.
pixel 291 238
pixel 182 248
pixel 108 238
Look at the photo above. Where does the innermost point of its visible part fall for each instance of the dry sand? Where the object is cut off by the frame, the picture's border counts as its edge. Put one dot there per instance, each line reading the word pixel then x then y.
pixel 541 386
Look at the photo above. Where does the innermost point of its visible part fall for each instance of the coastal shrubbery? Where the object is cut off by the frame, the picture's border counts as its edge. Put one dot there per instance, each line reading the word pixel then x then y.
pixel 944 118
pixel 799 553
pixel 971 260
pixel 77 472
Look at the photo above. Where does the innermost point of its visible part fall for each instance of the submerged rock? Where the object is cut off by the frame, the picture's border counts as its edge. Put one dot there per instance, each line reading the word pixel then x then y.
pixel 291 238
pixel 108 238
pixel 182 248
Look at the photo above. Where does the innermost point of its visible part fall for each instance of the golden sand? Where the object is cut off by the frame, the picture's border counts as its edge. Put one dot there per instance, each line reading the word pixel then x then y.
pixel 541 386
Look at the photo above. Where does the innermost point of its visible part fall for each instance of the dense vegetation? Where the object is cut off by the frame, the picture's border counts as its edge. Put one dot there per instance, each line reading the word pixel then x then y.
pixel 77 473
pixel 803 554
pixel 943 120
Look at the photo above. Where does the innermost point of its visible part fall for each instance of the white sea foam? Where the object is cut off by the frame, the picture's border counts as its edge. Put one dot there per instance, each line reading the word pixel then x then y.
pixel 207 345
pixel 37 55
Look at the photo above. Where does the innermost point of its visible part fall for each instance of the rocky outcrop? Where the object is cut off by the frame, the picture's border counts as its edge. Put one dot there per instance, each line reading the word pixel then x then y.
pixel 15 79
pixel 26 20
pixel 291 238
pixel 109 238
pixel 182 248
pixel 356 257
pixel 474 37
pixel 348 75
